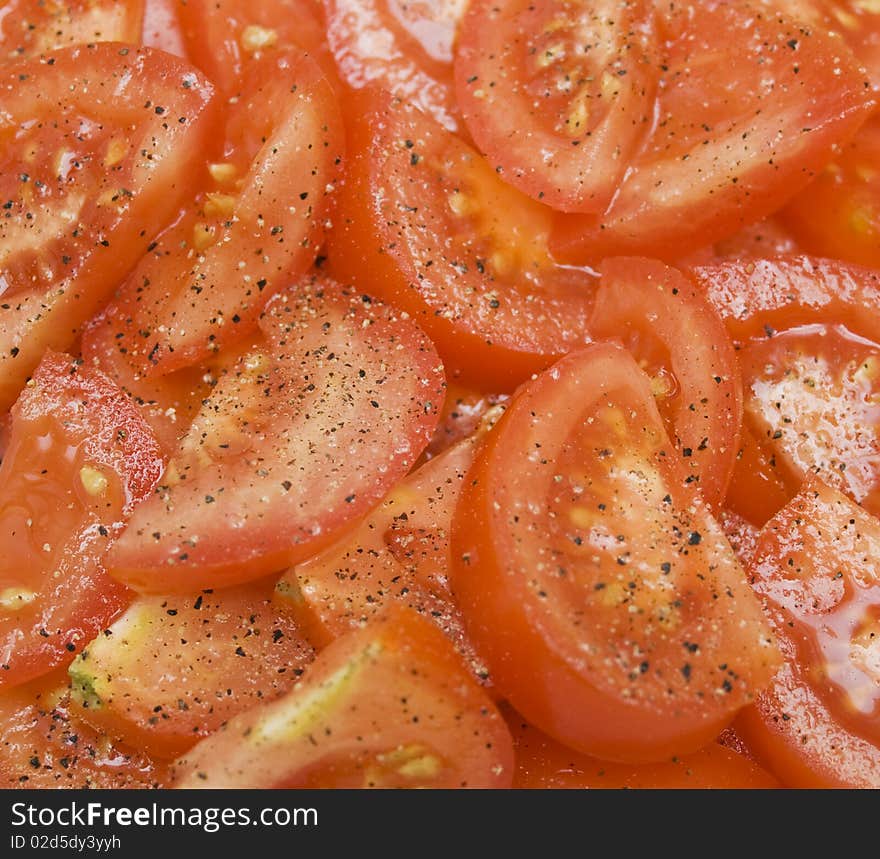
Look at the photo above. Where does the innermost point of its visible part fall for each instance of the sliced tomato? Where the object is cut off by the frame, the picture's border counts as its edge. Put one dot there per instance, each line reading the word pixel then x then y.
pixel 161 27
pixel 463 411
pixel 302 435
pixel 581 555
pixel 403 47
pixel 98 145
pixel 559 95
pixel 43 746
pixel 751 105
pixel 80 457
pixel 818 724
pixel 808 334
pixel 838 214
pixel 258 222
pixel 767 238
pixel 29 28
pixel 389 705
pixel 426 223
pixel 172 670
pixel 542 763
pixel 679 340
pixel 226 37
pixel 400 552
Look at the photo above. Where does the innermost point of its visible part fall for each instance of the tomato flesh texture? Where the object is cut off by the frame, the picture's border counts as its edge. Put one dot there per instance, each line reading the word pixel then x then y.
pixel 80 457
pixel 43 746
pixel 776 98
pixel 817 724
pixel 681 343
pixel 389 705
pixel 405 48
pixel 544 764
pixel 29 28
pixel 767 238
pixel 400 552
pixel 580 555
pixel 427 224
pixel 116 131
pixel 257 224
pixel 559 95
pixel 464 411
pixel 303 434
pixel 173 670
pixel 161 27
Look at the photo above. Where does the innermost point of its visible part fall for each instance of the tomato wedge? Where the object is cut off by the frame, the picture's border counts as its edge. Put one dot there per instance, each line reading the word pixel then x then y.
pixel 426 223
pixel 400 552
pixel 463 412
pixel 682 344
pixel 99 142
pixel 29 28
pixel 301 436
pixel 751 105
pixel 43 746
pixel 559 95
pixel 808 335
pixel 258 223
pixel 815 566
pixel 386 706
pixel 581 555
pixel 80 457
pixel 173 670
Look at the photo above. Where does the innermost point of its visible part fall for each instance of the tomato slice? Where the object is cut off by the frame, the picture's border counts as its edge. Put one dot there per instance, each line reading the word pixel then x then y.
pixel 464 411
pixel 389 705
pixel 258 223
pixel 559 95
pixel 767 238
pixel 400 552
pixel 544 764
pixel 161 28
pixel 29 28
pixel 301 436
pixel 403 47
pixel 817 725
pixel 225 38
pixel 751 105
pixel 581 555
pixel 98 145
pixel 682 344
pixel 173 670
pixel 43 746
pixel 808 335
pixel 80 457
pixel 427 224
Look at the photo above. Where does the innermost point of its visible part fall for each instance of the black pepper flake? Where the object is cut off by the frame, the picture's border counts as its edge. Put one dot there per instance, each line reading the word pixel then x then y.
pixel 695 538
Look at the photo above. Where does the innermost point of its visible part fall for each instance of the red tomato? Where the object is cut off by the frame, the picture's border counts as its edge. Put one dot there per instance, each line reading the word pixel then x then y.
pixel 99 143
pixel 259 222
pixel 750 106
pixel 427 224
pixel 42 746
pixel 162 28
pixel 389 705
pixel 559 95
pixel 80 457
pixel 29 28
pixel 767 238
pixel 815 566
pixel 403 47
pixel 400 552
pixel 463 412
pixel 582 556
pixel 808 335
pixel 301 436
pixel 681 343
pixel 226 37
pixel 172 670
pixel 542 763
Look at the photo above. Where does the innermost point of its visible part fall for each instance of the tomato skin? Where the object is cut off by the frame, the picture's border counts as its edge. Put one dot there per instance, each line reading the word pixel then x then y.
pixel 57 277
pixel 291 447
pixel 759 152
pixel 677 337
pixel 80 458
pixel 816 724
pixel 515 596
pixel 491 298
pixel 389 705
